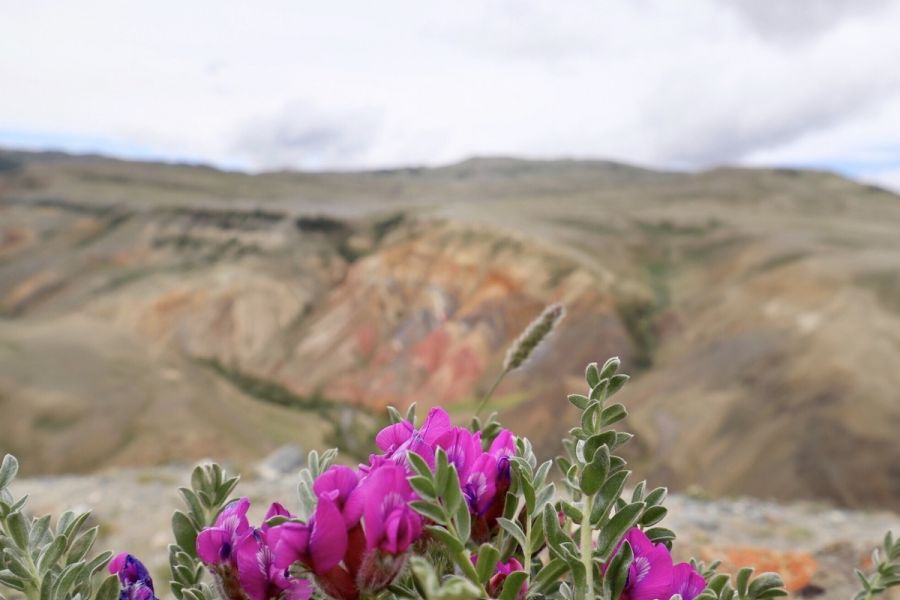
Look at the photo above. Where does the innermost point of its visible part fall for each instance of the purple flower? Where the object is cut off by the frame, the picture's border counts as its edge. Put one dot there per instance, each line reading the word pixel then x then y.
pixel 397 440
pixel 495 584
pixel 651 572
pixel 486 484
pixel 686 581
pixel 480 485
pixel 259 577
pixel 337 484
pixel 383 498
pixel 134 579
pixel 215 545
pixel 319 544
pixel 502 448
pixel 462 448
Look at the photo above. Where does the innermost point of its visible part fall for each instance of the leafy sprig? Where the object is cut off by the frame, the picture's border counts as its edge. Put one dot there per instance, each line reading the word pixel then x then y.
pixel 887 569
pixel 45 562
pixel 210 490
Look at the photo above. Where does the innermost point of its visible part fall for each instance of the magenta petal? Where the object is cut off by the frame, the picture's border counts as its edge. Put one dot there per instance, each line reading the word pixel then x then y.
pixel 503 445
pixel 650 575
pixel 292 544
pixel 328 541
pixel 253 561
pixel 480 485
pixel 384 489
pixel 298 589
pixel 393 436
pixel 436 424
pixel 461 447
pixel 117 563
pixel 214 545
pixel 277 510
pixel 339 482
pixel 686 581
pixel 234 517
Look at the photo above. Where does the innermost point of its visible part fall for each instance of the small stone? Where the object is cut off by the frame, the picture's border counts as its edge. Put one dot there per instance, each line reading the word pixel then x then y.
pixel 287 460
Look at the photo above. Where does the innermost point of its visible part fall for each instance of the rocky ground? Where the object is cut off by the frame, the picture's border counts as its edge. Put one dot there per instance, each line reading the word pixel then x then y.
pixel 814 546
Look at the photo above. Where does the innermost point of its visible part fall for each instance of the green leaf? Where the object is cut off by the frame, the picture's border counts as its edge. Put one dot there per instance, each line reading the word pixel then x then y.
pixel 548 576
pixel 620 523
pixel 617 574
pixel 717 583
pixel 463 521
pixel 660 534
pixel 423 486
pixel 394 415
pixel 185 533
pixel 512 585
pixel 75 525
pixel 98 562
pixel 15 563
pixel 452 492
pixel 198 478
pixel 39 528
pixel 765 583
pixel 742 581
pixel 579 400
pixel 63 585
pixel 571 511
pixel 81 546
pixel 109 589
pixel 225 490
pixel 51 553
pixel 429 510
pixel 608 494
pixel 656 496
pixel 637 494
pixel 10 580
pixel 610 367
pixel 8 469
pixel 593 443
pixel 46 585
pixel 195 509
pixel 17 525
pixel 487 562
pixel 592 375
pixel 594 474
pixel 446 538
pixel 616 382
pixel 441 469
pixel 653 515
pixel 419 465
pixel 612 414
pixel 513 529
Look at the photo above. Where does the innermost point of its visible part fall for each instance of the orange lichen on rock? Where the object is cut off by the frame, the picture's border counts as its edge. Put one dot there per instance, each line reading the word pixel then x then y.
pixel 797 568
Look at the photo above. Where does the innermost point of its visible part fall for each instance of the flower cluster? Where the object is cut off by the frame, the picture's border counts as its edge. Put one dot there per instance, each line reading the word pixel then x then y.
pixel 358 539
pixel 444 512
pixel 242 558
pixel 652 573
pixel 134 579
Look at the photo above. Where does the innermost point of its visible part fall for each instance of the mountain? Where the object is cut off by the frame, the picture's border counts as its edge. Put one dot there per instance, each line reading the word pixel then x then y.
pixel 758 310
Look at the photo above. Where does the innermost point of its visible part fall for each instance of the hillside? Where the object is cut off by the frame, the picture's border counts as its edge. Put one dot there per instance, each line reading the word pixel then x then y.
pixel 759 311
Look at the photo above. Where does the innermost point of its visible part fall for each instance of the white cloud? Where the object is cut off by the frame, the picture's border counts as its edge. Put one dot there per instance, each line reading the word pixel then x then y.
pixel 361 84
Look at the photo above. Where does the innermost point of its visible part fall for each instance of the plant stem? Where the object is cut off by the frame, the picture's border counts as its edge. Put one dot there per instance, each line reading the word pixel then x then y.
pixel 526 552
pixel 587 547
pixel 487 396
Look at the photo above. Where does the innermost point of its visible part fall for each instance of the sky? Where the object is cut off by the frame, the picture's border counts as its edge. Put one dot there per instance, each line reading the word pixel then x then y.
pixel 360 84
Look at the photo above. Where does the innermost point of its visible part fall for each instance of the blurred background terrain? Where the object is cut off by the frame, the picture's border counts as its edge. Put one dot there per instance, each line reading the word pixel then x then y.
pixel 160 313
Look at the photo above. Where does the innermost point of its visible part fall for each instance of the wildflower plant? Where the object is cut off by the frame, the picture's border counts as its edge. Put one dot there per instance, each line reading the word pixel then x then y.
pixel 440 512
